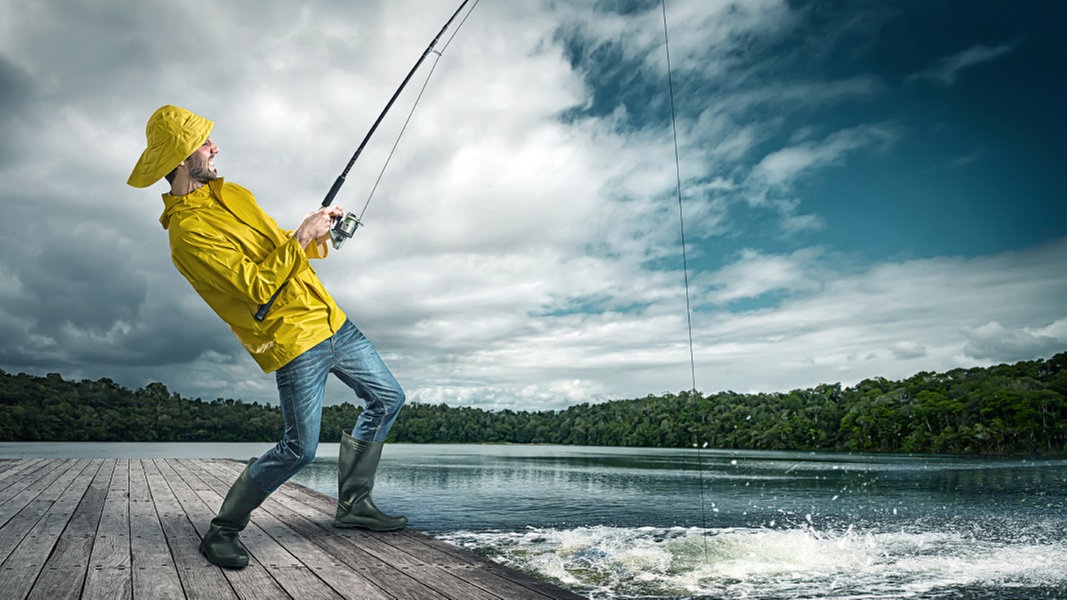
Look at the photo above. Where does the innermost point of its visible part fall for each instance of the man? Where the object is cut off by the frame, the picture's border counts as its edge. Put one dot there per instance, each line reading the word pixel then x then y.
pixel 236 258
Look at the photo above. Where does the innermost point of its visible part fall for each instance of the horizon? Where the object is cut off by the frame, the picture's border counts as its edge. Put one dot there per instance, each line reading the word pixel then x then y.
pixel 606 400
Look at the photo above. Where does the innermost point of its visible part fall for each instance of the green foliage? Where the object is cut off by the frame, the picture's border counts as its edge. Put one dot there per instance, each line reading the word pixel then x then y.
pixel 1020 408
pixel 53 409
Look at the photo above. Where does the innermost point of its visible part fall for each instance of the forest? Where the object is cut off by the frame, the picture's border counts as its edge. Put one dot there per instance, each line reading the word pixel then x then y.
pixel 1016 408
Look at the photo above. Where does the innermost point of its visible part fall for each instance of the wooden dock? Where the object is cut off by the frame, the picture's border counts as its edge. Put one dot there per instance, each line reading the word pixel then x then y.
pixel 117 528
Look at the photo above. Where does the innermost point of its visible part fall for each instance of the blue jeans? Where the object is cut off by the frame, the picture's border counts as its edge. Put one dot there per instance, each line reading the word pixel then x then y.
pixel 301 387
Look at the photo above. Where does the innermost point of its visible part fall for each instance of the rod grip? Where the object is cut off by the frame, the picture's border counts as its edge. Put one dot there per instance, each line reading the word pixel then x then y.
pixel 333 190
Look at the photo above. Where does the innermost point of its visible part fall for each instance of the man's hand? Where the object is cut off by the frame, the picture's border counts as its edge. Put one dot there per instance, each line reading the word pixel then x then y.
pixel 316 225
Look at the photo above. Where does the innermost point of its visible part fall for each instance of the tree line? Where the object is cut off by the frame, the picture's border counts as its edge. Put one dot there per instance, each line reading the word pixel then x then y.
pixel 1004 409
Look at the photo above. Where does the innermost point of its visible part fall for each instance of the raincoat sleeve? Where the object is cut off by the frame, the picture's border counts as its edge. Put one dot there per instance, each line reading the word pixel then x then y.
pixel 211 259
pixel 316 249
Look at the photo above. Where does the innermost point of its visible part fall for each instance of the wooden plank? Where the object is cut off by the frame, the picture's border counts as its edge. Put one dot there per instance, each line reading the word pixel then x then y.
pixel 200 579
pixel 10 468
pixel 488 573
pixel 315 507
pixel 56 505
pixel 154 573
pixel 109 576
pixel 17 494
pixel 349 570
pixel 34 501
pixel 252 582
pixel 294 577
pixel 14 465
pixel 347 582
pixel 350 549
pixel 477 571
pixel 445 568
pixel 130 529
pixel 64 573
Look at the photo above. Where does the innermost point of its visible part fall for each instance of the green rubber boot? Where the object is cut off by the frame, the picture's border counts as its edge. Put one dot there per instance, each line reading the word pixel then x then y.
pixel 356 465
pixel 220 545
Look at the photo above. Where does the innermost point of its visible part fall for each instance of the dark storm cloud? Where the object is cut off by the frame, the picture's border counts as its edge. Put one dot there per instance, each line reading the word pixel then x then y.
pixel 80 299
pixel 16 86
pixel 16 90
pixel 82 289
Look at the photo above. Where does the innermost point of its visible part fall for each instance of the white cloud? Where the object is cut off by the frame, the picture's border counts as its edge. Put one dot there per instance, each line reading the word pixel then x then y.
pixel 782 168
pixel 906 350
pixel 894 319
pixel 993 341
pixel 755 274
pixel 948 70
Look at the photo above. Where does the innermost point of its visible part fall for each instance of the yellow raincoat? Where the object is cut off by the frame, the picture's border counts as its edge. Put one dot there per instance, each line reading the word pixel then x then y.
pixel 235 257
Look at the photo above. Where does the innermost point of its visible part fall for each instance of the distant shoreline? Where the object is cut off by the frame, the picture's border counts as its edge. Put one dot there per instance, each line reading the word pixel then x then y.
pixel 1004 410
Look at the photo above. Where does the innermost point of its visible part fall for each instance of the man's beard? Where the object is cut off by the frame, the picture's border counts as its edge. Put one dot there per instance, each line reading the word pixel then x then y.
pixel 201 172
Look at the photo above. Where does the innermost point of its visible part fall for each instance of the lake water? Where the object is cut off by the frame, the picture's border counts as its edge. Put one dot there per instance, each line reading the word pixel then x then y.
pixel 613 523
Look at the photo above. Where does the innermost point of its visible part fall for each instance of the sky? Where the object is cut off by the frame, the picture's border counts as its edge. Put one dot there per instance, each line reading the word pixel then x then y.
pixel 867 189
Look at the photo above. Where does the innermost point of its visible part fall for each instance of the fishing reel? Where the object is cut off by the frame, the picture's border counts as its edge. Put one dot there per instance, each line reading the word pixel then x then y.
pixel 344 229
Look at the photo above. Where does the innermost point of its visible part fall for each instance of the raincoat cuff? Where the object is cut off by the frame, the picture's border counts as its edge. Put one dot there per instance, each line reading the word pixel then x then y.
pixel 318 248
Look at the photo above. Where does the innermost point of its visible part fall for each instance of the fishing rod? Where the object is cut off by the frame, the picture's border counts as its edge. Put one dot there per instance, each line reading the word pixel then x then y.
pixel 345 227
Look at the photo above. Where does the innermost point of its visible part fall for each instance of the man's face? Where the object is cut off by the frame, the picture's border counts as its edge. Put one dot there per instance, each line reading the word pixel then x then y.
pixel 201 164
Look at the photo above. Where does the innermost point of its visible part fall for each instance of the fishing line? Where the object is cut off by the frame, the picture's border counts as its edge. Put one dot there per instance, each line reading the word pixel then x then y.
pixel 685 265
pixel 414 105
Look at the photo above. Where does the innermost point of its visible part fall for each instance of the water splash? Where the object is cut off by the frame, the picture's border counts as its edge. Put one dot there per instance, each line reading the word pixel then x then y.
pixel 608 563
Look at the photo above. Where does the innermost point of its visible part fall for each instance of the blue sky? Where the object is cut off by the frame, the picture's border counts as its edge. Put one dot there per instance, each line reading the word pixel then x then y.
pixel 912 129
pixel 869 189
